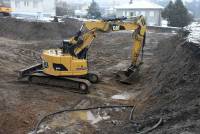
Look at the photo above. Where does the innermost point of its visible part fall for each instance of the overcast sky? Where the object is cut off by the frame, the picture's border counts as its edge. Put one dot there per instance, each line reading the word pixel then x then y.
pixel 105 1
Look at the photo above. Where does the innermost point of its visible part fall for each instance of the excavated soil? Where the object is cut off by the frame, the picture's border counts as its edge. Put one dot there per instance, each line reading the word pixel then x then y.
pixel 18 29
pixel 167 87
pixel 174 95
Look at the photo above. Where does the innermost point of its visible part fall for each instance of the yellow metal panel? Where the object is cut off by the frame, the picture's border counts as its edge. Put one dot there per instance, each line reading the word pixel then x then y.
pixel 75 66
pixel 136 51
pixel 79 66
pixel 47 57
pixel 6 9
pixel 66 61
pixel 88 38
pixel 130 26
pixel 97 25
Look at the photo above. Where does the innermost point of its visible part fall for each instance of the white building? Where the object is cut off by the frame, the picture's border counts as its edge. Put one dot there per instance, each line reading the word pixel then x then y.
pixel 151 11
pixel 109 12
pixel 5 3
pixel 81 11
pixel 33 8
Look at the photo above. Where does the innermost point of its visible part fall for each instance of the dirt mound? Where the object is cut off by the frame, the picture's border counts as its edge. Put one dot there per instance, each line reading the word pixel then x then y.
pixel 19 29
pixel 174 95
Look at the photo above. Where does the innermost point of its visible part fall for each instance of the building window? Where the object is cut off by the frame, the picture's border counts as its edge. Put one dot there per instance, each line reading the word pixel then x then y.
pixel 26 3
pixel 132 14
pixel 151 14
pixel 17 4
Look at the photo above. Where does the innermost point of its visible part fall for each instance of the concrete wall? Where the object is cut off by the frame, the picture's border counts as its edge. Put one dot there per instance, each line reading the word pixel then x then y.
pixel 153 16
pixel 44 7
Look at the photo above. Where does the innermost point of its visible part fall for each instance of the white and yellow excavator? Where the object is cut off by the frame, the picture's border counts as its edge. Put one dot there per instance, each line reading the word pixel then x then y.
pixel 68 66
pixel 5 11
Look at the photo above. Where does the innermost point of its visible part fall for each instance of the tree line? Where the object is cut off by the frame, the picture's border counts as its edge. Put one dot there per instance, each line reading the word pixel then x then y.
pixel 177 14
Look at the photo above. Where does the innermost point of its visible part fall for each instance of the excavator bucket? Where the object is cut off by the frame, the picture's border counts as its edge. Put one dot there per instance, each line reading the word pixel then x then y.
pixel 127 77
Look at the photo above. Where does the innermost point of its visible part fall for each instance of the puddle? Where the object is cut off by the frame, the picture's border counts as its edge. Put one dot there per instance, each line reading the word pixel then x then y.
pixel 95 119
pixel 89 116
pixel 41 130
pixel 72 121
pixel 75 121
pixel 125 96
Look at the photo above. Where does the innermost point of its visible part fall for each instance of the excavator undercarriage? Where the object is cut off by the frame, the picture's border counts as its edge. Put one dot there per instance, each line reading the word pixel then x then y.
pixel 80 84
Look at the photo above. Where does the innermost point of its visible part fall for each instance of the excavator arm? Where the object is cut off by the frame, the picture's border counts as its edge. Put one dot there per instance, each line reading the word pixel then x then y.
pixel 87 33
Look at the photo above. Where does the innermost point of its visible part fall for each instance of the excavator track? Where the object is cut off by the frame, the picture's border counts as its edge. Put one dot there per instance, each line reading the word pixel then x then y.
pixel 77 84
pixel 36 76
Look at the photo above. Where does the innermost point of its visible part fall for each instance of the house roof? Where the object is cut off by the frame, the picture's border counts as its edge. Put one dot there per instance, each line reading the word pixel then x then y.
pixel 140 5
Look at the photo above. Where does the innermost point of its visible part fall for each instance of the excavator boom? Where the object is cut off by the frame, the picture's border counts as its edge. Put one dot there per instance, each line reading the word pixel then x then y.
pixel 108 25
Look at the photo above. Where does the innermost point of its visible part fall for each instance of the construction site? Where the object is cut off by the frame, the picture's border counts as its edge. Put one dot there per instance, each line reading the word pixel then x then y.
pixel 164 98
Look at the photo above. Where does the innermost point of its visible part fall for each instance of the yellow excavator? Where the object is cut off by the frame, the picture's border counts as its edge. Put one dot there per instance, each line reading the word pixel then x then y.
pixel 68 66
pixel 5 11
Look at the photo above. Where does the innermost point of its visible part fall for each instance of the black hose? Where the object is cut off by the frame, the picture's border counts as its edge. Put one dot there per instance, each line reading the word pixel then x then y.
pixel 131 114
pixel 143 45
pixel 80 109
pixel 152 128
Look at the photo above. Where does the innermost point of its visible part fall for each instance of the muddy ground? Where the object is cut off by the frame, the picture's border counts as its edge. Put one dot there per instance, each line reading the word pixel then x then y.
pixel 168 86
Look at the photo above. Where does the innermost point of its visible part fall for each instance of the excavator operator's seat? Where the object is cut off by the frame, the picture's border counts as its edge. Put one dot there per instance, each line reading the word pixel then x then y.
pixel 68 48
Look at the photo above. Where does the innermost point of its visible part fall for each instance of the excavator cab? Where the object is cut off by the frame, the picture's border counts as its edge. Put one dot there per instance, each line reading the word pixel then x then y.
pixel 67 47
